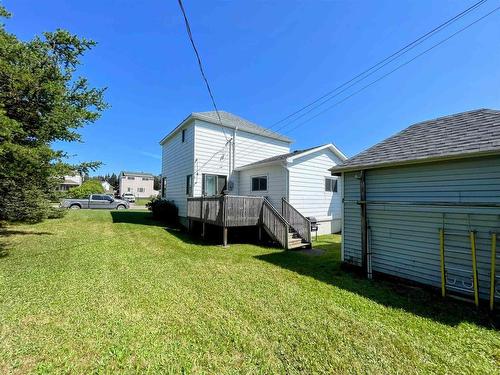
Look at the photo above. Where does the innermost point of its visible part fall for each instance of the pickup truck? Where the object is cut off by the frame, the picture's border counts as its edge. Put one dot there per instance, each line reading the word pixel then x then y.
pixel 95 201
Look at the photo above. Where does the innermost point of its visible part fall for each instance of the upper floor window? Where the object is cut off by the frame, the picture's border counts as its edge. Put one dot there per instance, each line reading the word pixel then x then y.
pixel 140 190
pixel 331 184
pixel 146 179
pixel 130 178
pixel 183 135
pixel 259 183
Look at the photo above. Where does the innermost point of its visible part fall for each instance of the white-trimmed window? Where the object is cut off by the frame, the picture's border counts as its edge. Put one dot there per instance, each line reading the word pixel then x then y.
pixel 331 184
pixel 259 183
pixel 183 135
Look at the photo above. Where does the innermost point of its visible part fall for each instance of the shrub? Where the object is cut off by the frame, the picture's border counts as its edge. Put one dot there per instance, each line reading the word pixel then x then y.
pixel 85 189
pixel 163 210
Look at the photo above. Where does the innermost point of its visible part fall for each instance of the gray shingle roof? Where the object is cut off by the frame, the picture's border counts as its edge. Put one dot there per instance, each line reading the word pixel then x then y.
pixel 145 174
pixel 232 121
pixel 277 158
pixel 462 134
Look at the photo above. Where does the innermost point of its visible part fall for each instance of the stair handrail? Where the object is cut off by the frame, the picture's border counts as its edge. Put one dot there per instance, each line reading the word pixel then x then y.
pixel 300 223
pixel 282 237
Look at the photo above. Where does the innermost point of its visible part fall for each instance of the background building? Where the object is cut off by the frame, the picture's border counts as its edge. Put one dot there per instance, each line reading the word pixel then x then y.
pixel 138 183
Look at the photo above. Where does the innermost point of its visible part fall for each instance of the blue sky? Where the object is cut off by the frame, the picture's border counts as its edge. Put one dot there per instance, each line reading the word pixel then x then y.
pixel 265 60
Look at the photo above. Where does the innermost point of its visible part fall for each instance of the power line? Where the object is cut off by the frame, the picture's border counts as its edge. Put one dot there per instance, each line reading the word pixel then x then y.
pixel 395 69
pixel 391 57
pixel 200 65
pixel 373 69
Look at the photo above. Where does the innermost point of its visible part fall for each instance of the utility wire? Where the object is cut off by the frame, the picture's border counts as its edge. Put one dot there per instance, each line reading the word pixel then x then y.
pixel 395 69
pixel 370 71
pixel 391 57
pixel 200 65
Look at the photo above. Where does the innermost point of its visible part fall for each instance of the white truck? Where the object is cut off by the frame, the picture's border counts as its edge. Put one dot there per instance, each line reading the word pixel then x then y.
pixel 95 201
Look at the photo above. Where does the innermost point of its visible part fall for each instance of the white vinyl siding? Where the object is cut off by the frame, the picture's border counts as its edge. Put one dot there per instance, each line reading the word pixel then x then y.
pixel 276 183
pixel 307 189
pixel 214 156
pixel 177 163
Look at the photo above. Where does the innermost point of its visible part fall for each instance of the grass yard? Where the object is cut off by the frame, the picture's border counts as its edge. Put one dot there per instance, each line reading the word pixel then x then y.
pixel 141 201
pixel 101 291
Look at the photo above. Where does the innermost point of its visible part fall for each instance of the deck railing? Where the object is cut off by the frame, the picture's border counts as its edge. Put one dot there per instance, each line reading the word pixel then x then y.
pixel 296 220
pixel 226 211
pixel 275 223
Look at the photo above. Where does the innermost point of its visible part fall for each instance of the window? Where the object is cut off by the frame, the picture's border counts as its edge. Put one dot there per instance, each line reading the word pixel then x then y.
pixel 130 178
pixel 140 190
pixel 129 189
pixel 189 185
pixel 97 197
pixel 331 184
pixel 213 184
pixel 164 187
pixel 259 183
pixel 183 135
pixel 146 179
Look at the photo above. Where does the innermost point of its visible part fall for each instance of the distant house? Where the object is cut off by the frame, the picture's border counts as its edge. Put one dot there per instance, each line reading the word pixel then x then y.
pixel 424 205
pixel 108 189
pixel 201 158
pixel 70 181
pixel 138 183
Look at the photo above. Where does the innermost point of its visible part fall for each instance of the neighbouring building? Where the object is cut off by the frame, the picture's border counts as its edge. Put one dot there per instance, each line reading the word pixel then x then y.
pixel 138 183
pixel 201 157
pixel 424 205
pixel 70 181
pixel 108 189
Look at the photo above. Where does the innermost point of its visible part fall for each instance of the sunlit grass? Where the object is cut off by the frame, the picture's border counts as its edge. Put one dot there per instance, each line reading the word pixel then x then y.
pixel 115 291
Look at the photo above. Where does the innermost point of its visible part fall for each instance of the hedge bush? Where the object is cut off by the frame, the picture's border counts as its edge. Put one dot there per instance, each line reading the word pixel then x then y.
pixel 85 189
pixel 163 210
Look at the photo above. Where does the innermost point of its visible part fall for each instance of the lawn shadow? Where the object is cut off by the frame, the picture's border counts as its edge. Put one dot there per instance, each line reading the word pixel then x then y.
pixel 6 232
pixel 415 300
pixel 135 217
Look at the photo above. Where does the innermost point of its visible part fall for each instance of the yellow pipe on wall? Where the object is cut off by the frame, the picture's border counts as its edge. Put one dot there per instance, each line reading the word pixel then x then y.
pixel 474 267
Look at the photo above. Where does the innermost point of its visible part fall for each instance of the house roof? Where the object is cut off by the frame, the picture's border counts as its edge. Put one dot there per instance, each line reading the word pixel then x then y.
pixel 465 134
pixel 145 174
pixel 229 120
pixel 292 155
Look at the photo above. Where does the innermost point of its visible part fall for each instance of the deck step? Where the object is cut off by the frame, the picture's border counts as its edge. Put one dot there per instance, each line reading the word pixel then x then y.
pixel 297 245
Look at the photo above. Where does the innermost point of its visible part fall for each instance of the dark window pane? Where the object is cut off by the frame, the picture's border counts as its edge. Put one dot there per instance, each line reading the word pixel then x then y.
pixel 255 184
pixel 183 135
pixel 263 183
pixel 334 186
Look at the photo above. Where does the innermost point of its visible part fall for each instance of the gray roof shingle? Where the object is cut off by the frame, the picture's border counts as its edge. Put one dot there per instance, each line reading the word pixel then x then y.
pixel 458 135
pixel 273 159
pixel 232 121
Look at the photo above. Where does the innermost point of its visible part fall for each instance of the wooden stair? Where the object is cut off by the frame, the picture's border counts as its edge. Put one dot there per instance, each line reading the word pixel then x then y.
pixel 295 241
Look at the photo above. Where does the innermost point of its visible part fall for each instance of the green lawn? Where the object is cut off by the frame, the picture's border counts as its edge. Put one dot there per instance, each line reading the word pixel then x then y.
pixel 141 201
pixel 101 291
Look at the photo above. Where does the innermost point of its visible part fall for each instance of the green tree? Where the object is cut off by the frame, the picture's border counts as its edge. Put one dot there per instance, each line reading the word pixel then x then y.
pixel 85 189
pixel 41 101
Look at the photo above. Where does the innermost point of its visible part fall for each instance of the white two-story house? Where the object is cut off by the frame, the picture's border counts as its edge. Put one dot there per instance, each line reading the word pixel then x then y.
pixel 202 157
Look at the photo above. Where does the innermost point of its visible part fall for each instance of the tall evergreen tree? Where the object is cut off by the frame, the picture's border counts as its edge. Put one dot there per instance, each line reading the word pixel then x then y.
pixel 41 101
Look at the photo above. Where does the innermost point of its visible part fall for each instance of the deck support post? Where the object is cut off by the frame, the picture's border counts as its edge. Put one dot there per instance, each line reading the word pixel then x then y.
pixel 260 232
pixel 203 229
pixel 224 236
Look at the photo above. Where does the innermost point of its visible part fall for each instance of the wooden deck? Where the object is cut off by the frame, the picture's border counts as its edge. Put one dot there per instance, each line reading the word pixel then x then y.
pixel 241 211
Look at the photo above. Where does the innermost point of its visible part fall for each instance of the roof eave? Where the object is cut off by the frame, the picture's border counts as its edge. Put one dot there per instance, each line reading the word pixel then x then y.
pixel 258 165
pixel 337 170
